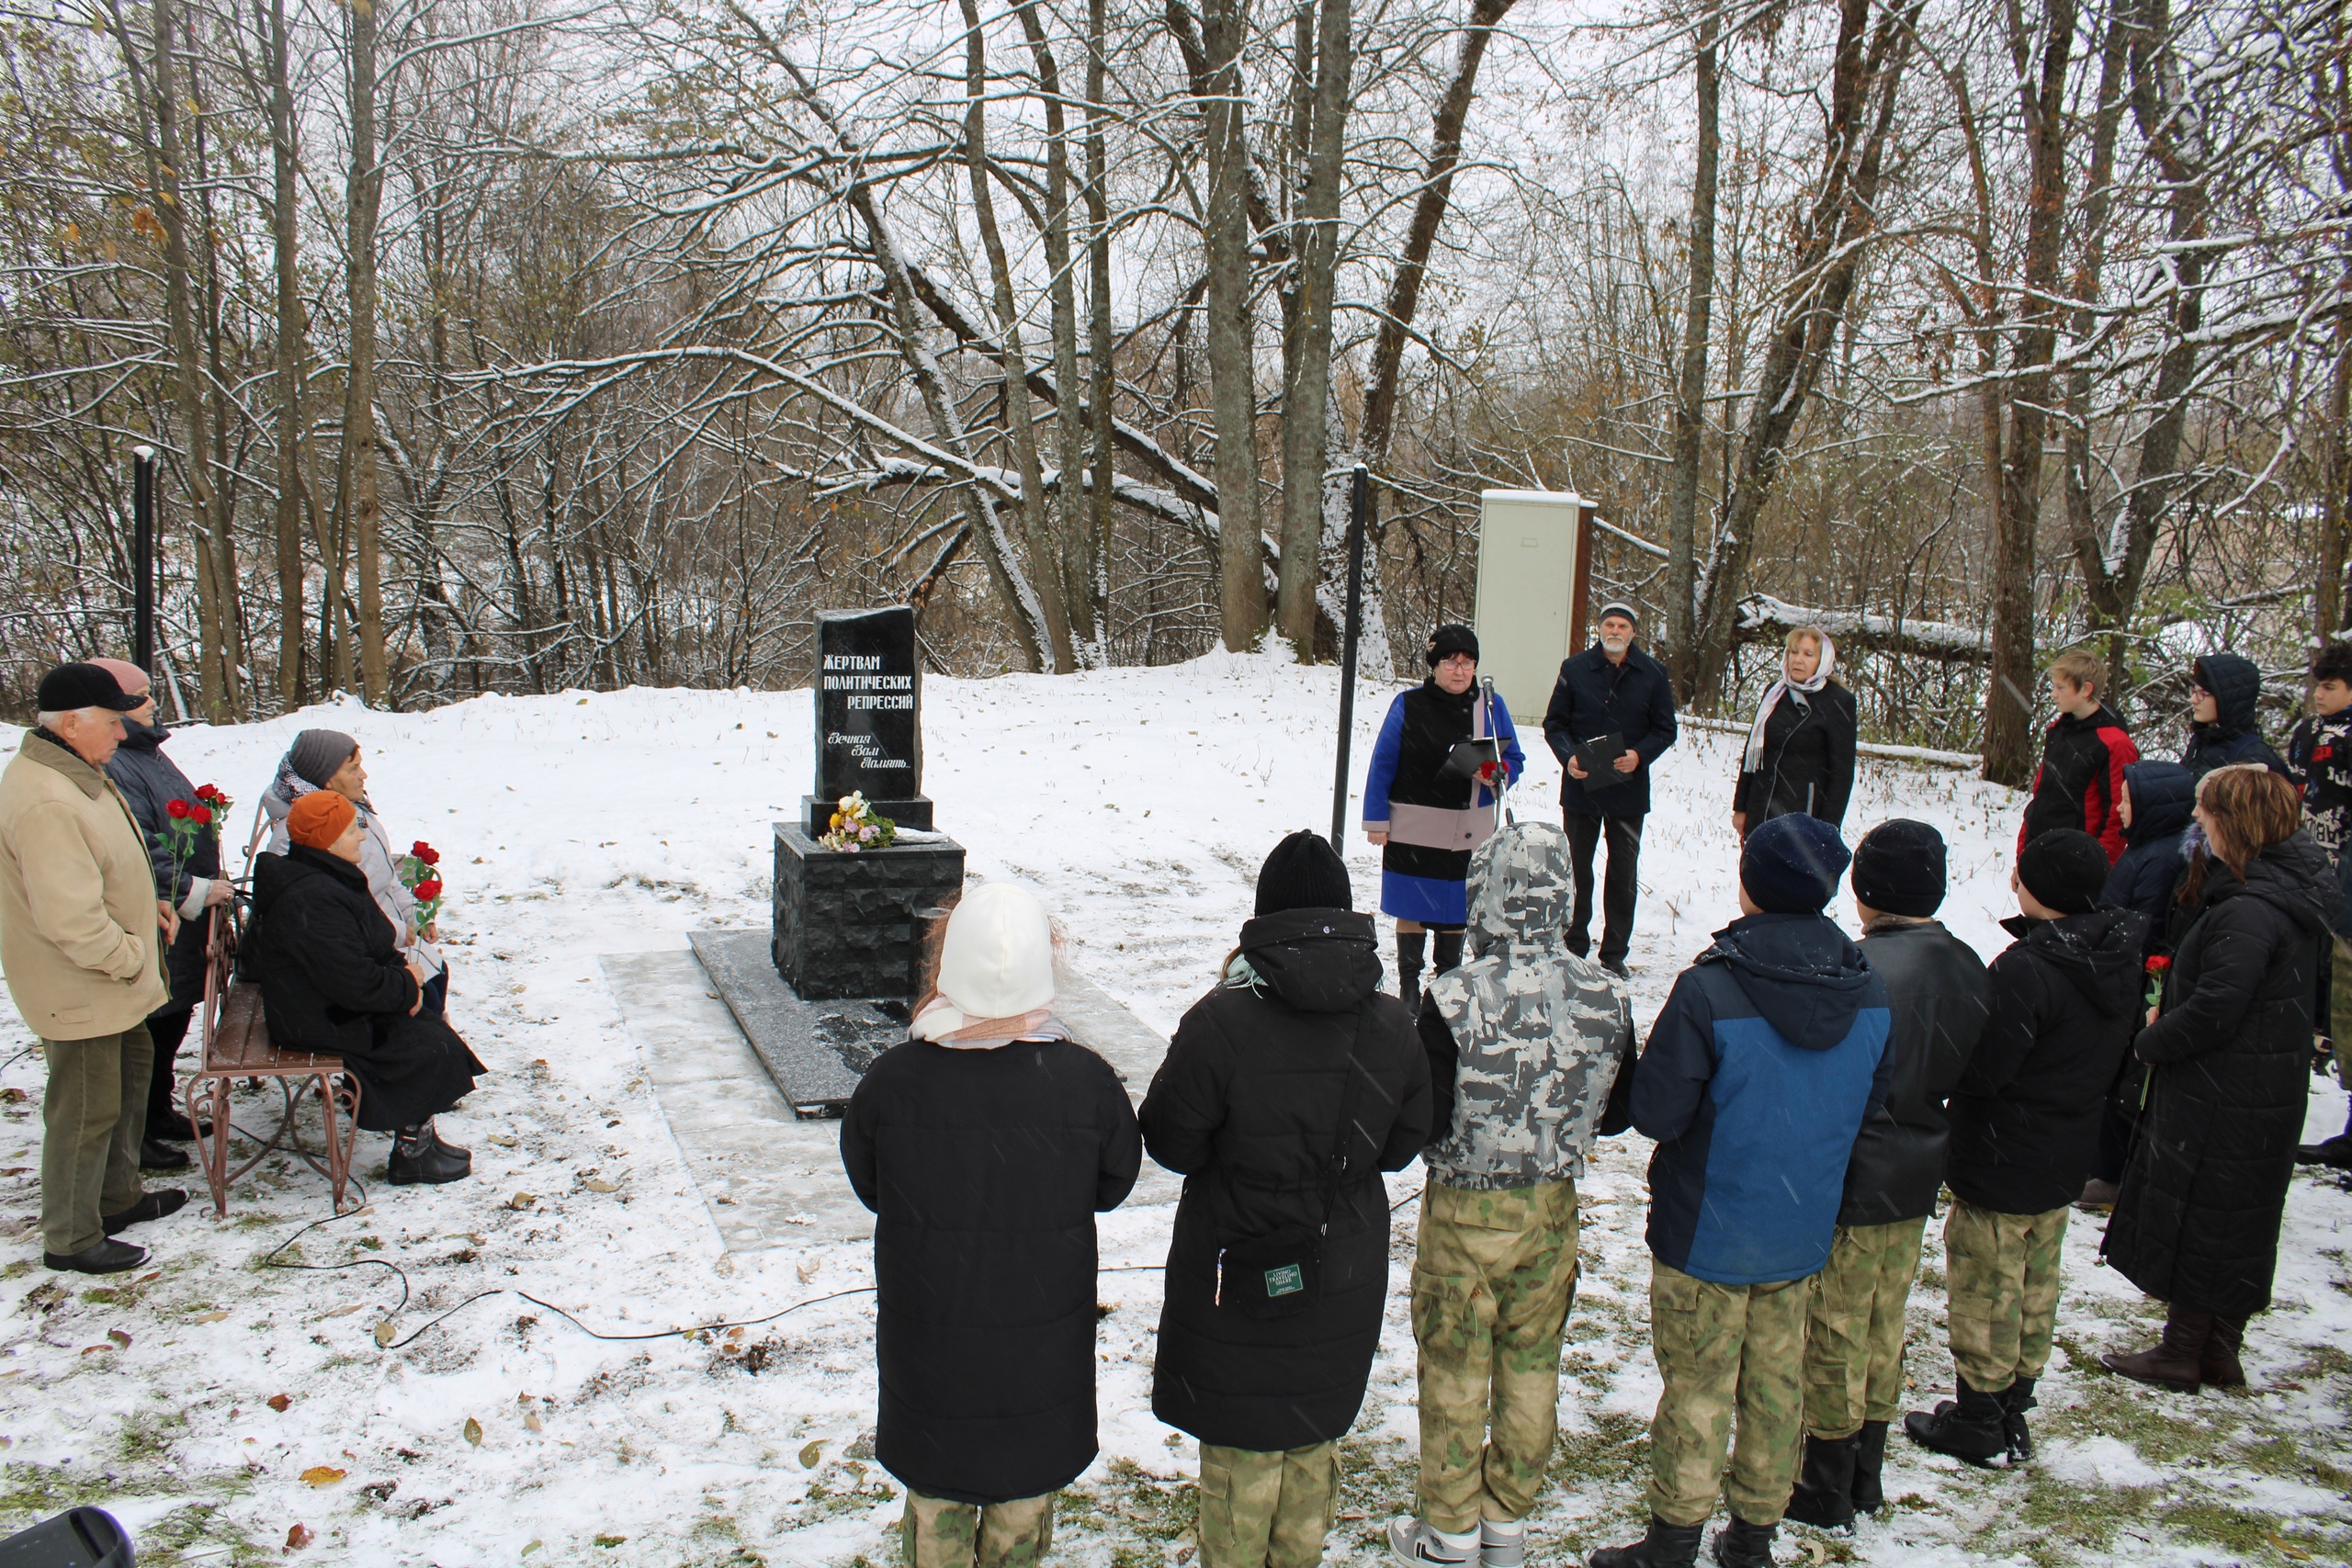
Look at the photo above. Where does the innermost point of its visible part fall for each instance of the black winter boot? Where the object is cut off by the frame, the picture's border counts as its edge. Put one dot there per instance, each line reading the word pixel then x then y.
pixel 1869 1459
pixel 1446 950
pixel 1973 1428
pixel 1411 947
pixel 2220 1365
pixel 1666 1546
pixel 419 1157
pixel 1741 1545
pixel 1824 1491
pixel 2015 1403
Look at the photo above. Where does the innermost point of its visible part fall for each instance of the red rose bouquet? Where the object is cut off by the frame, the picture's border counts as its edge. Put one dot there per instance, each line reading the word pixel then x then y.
pixel 420 872
pixel 190 821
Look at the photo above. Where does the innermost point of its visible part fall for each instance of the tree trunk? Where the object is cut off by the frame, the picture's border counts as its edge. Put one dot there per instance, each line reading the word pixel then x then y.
pixel 2327 594
pixel 355 480
pixel 1233 377
pixel 285 234
pixel 1308 368
pixel 1691 390
pixel 2085 535
pixel 2009 709
pixel 1098 349
pixel 1036 526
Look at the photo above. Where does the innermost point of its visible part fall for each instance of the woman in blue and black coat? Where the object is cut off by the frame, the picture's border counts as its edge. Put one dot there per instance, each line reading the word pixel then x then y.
pixel 1426 820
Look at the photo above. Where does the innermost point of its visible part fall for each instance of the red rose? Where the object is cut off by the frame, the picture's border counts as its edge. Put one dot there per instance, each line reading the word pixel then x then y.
pixel 2158 963
pixel 177 809
pixel 202 814
pixel 428 890
pixel 208 793
pixel 425 852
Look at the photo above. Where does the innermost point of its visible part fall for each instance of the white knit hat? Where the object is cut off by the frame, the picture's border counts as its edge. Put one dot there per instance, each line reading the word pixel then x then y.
pixel 998 958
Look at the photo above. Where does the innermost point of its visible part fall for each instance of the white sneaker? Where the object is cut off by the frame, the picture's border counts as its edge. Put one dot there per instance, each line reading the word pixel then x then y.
pixel 1501 1546
pixel 1414 1543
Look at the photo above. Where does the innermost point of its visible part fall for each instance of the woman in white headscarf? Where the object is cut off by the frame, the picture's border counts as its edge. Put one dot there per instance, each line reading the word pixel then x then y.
pixel 1800 755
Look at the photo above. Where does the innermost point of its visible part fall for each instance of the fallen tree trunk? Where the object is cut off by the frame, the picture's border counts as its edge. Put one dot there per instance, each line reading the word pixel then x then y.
pixel 1762 618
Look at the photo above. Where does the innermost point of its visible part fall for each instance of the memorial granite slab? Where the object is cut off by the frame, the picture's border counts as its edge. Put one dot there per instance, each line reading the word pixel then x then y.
pixel 868 716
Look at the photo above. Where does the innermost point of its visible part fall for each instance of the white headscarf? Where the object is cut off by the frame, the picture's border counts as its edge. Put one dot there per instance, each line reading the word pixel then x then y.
pixel 1754 757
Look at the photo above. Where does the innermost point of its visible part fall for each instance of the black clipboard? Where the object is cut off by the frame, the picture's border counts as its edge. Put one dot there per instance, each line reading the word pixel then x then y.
pixel 1597 758
pixel 1462 763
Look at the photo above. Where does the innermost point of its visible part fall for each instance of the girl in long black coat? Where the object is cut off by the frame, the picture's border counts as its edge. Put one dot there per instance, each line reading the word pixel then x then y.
pixel 1248 1108
pixel 986 1144
pixel 333 981
pixel 2205 1188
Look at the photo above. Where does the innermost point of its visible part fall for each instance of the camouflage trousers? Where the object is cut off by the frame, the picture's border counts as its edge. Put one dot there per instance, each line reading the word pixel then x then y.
pixel 1494 1275
pixel 2335 1019
pixel 2002 1272
pixel 1853 1337
pixel 1267 1509
pixel 937 1533
pixel 1720 1349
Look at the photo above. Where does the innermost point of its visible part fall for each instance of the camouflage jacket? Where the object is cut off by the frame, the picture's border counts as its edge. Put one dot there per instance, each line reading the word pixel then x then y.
pixel 1538 1032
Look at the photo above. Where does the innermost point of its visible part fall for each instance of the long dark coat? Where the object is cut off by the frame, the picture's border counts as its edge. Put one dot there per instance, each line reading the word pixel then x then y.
pixel 1807 766
pixel 1246 1109
pixel 151 782
pixel 985 1170
pixel 2206 1183
pixel 332 981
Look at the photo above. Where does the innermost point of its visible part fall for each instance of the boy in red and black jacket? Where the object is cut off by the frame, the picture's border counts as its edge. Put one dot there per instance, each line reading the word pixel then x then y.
pixel 2083 757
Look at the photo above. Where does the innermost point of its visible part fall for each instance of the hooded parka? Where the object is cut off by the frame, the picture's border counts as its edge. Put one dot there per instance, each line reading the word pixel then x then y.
pixel 2025 1118
pixel 2164 798
pixel 1247 1109
pixel 985 1168
pixel 2204 1190
pixel 333 981
pixel 1939 999
pixel 2235 734
pixel 1525 1040
pixel 151 782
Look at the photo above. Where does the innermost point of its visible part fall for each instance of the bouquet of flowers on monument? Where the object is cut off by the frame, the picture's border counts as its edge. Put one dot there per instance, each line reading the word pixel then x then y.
pixel 189 822
pixel 420 872
pixel 856 827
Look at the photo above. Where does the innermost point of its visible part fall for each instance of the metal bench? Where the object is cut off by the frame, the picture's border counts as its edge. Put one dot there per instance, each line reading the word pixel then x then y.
pixel 237 1046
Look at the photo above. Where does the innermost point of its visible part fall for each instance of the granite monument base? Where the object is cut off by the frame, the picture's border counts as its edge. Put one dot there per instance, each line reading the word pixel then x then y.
pixel 847 926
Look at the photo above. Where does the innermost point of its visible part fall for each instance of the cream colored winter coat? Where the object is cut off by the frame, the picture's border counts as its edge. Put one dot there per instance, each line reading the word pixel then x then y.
pixel 77 899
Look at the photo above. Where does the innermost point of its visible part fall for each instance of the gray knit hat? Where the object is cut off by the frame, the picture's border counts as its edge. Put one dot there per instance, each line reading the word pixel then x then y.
pixel 318 754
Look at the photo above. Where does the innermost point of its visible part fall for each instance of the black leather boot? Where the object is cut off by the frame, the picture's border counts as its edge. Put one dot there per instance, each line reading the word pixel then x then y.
pixel 1971 1427
pixel 2176 1360
pixel 154 1156
pixel 1870 1460
pixel 1412 948
pixel 1445 950
pixel 418 1156
pixel 1824 1497
pixel 1741 1545
pixel 2015 1403
pixel 1666 1546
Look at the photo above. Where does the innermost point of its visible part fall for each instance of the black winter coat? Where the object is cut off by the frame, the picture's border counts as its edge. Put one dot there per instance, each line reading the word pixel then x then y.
pixel 2235 734
pixel 1247 1109
pixel 332 981
pixel 1938 998
pixel 2164 795
pixel 1808 762
pixel 2206 1183
pixel 151 782
pixel 1594 697
pixel 2025 1118
pixel 986 1170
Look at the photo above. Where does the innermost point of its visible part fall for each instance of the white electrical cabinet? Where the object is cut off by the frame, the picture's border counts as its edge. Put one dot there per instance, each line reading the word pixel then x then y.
pixel 1532 581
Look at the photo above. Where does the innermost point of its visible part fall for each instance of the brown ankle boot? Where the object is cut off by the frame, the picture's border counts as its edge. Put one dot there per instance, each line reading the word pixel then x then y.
pixel 2176 1362
pixel 2220 1364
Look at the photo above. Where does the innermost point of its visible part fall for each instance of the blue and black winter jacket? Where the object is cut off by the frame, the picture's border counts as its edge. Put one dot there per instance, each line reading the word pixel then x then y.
pixel 1758 1073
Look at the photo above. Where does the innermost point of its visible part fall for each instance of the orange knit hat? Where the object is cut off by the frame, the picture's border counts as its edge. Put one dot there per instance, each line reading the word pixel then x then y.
pixel 318 818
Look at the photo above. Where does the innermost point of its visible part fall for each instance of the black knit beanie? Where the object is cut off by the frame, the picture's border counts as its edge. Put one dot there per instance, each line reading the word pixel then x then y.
pixel 1448 640
pixel 1304 872
pixel 2065 869
pixel 1791 864
pixel 1899 869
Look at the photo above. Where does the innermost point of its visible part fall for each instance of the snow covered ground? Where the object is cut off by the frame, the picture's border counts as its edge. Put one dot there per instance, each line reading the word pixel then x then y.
pixel 1140 802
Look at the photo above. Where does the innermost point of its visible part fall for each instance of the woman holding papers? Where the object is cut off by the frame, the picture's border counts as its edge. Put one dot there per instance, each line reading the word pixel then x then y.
pixel 1446 752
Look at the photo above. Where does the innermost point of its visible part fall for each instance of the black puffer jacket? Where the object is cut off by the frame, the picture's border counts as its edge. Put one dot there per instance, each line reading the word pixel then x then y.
pixel 2206 1184
pixel 151 782
pixel 2025 1118
pixel 986 1170
pixel 2164 796
pixel 1246 1109
pixel 1808 761
pixel 2235 734
pixel 1939 998
pixel 332 981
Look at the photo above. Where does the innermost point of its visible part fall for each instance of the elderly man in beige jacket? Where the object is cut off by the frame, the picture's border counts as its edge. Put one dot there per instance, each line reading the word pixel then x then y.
pixel 82 934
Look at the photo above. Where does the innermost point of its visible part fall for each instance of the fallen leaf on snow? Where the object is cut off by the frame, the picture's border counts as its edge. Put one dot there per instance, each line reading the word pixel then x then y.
pixel 344 1311
pixel 299 1536
pixel 502 1140
pixel 209 1317
pixel 531 1420
pixel 522 1200
pixel 473 1431
pixel 322 1475
pixel 278 1401
pixel 384 1332
pixel 119 1337
pixel 598 1184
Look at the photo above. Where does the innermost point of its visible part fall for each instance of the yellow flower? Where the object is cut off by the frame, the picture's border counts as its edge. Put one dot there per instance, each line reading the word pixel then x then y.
pixel 837 820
